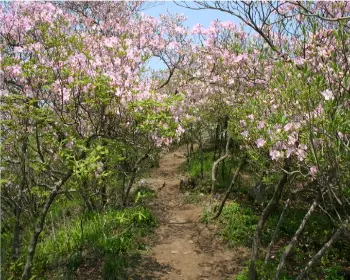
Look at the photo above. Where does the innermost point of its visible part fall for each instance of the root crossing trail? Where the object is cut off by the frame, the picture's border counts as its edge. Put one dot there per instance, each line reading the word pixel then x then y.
pixel 183 247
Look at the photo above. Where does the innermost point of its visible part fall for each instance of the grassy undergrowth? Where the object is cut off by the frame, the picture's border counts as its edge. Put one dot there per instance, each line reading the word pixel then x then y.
pixel 240 216
pixel 224 172
pixel 88 246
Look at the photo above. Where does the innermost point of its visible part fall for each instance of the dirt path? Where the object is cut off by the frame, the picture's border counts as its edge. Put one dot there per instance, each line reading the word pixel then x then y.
pixel 182 247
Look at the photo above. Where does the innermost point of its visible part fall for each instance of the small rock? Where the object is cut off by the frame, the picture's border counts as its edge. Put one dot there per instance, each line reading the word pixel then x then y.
pixel 207 268
pixel 187 252
pixel 190 241
pixel 174 252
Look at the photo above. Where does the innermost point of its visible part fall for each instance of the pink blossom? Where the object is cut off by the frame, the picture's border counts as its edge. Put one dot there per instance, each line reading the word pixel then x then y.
pixel 288 126
pixel 276 155
pixel 289 152
pixel 245 134
pixel 302 146
pixel 242 123
pixel 179 130
pixel 15 70
pixel 327 94
pixel 297 125
pixel 313 171
pixel 261 125
pixel 292 139
pixel 65 94
pixel 340 135
pixel 70 79
pixel 301 154
pixel 299 60
pixel 260 142
pixel 197 29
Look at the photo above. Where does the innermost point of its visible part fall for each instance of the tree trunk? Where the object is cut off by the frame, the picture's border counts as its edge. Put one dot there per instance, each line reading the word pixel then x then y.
pixel 218 213
pixel 321 252
pixel 87 202
pixel 133 177
pixel 215 166
pixel 16 234
pixel 201 156
pixel 223 162
pixel 295 238
pixel 216 141
pixel 269 248
pixel 104 195
pixel 40 226
pixel 263 218
pixel 129 186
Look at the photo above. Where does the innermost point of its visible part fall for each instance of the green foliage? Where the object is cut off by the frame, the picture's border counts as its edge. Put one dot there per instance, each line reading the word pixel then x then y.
pixel 265 272
pixel 194 169
pixel 243 275
pixel 106 234
pixel 114 268
pixel 239 224
pixel 334 273
pixel 143 194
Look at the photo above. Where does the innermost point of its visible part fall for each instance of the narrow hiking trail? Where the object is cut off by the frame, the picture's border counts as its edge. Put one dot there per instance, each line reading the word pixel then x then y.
pixel 183 247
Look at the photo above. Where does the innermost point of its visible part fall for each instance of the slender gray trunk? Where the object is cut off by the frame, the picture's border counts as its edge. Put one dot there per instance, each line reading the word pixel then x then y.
pixel 269 248
pixel 16 234
pixel 218 213
pixel 216 141
pixel 295 238
pixel 215 166
pixel 263 218
pixel 39 228
pixel 133 177
pixel 321 252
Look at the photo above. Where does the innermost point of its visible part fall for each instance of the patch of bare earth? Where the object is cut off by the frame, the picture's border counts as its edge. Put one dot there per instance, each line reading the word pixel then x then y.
pixel 183 247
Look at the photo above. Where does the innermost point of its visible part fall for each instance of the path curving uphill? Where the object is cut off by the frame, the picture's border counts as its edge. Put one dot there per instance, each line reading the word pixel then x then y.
pixel 183 248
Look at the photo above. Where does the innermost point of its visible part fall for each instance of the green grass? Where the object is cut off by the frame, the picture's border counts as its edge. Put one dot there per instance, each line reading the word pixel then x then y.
pixel 99 241
pixel 109 233
pixel 238 224
pixel 194 169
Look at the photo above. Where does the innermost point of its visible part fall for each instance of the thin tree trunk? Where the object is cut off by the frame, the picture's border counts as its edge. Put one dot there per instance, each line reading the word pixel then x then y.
pixel 129 186
pixel 188 153
pixel 218 213
pixel 86 200
pixel 53 227
pixel 269 248
pixel 133 177
pixel 40 226
pixel 223 162
pixel 295 238
pixel 104 195
pixel 123 186
pixel 216 141
pixel 215 166
pixel 16 234
pixel 263 218
pixel 321 252
pixel 201 156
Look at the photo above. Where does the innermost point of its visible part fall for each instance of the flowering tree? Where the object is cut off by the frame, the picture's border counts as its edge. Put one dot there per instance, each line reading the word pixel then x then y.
pixel 77 106
pixel 80 111
pixel 289 111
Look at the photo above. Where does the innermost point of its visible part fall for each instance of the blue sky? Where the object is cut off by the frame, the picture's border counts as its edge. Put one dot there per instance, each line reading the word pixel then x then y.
pixel 203 17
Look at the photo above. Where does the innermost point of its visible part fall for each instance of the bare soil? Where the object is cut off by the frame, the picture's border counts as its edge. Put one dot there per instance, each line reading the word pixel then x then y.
pixel 183 247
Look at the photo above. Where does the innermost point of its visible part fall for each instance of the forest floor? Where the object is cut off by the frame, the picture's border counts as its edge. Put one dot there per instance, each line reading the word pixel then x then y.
pixel 182 247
